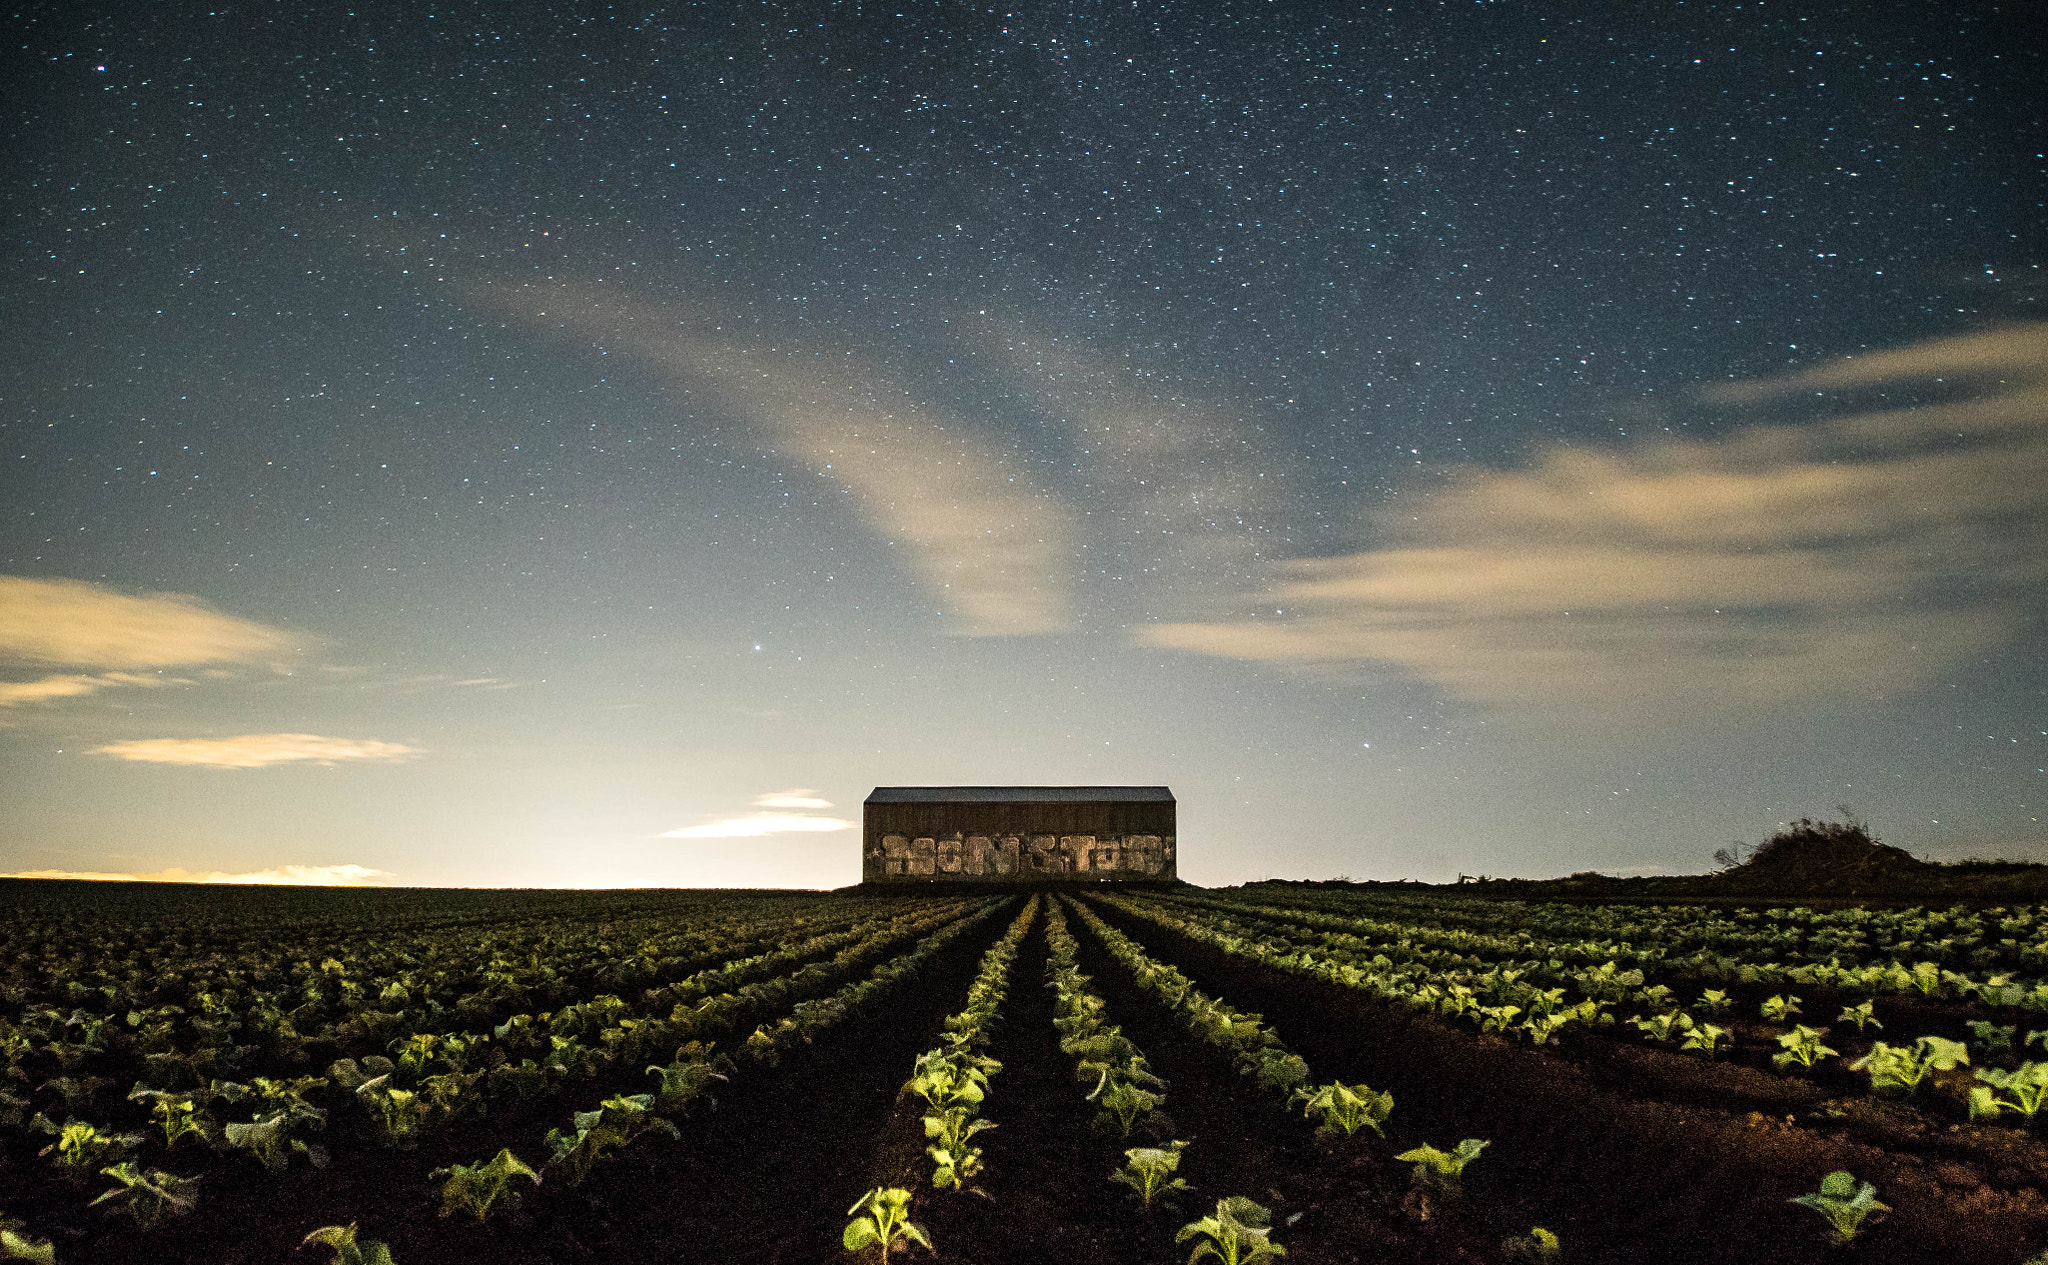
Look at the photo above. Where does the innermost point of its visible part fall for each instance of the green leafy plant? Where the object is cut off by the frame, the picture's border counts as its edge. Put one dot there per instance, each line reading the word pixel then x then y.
pixel 1990 1037
pixel 952 1168
pixel 1149 1170
pixel 594 1135
pixel 82 1149
pixel 1663 1027
pixel 2027 1085
pixel 1802 1046
pixel 16 1245
pixel 1900 1069
pixel 1780 1008
pixel 1238 1233
pixel 1442 1170
pixel 178 1115
pixel 1716 1000
pixel 1706 1037
pixel 274 1136
pixel 1346 1108
pixel 1862 1015
pixel 1123 1103
pixel 689 1077
pixel 1539 1245
pixel 1497 1018
pixel 149 1197
pixel 1843 1204
pixel 482 1188
pixel 944 1079
pixel 348 1250
pixel 881 1219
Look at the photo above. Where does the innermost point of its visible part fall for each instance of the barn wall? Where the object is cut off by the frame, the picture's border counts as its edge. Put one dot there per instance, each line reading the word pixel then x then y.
pixel 1008 842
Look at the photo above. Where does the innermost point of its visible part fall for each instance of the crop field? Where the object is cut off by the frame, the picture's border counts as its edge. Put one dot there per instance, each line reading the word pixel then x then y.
pixel 276 1075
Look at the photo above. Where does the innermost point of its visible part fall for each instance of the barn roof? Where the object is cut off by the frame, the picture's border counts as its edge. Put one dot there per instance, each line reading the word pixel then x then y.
pixel 1020 795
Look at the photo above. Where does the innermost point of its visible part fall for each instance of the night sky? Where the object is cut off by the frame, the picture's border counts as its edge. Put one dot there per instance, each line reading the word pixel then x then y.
pixel 507 444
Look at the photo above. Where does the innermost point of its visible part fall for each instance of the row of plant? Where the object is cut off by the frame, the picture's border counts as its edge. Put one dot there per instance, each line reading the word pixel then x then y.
pixel 437 1075
pixel 1251 1045
pixel 1129 1097
pixel 953 1077
pixel 1436 1180
pixel 620 1120
pixel 1460 977
pixel 1976 945
pixel 1503 1000
pixel 232 1030
pixel 402 1104
pixel 1342 1113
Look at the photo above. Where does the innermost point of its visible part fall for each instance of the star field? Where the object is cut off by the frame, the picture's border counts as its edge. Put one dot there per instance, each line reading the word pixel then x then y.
pixel 626 412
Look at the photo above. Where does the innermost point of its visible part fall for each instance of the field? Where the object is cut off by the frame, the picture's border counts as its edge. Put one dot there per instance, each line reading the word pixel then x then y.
pixel 211 1075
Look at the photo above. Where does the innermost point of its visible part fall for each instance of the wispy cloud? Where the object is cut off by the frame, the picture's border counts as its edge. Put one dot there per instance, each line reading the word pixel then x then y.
pixel 90 625
pixel 110 634
pixel 802 797
pixel 1866 552
pixel 75 684
pixel 276 875
pixel 756 824
pixel 256 751
pixel 979 531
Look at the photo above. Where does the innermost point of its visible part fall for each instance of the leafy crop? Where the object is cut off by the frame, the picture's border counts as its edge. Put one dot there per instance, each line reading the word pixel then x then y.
pixel 1236 1234
pixel 1991 1038
pixel 1442 1171
pixel 1346 1108
pixel 1780 1008
pixel 1149 1170
pixel 883 1221
pixel 689 1077
pixel 1802 1046
pixel 1539 1246
pixel 179 1115
pixel 149 1197
pixel 953 1078
pixel 82 1149
pixel 1860 1014
pixel 2027 1087
pixel 1663 1027
pixel 593 1136
pixel 1900 1069
pixel 1124 1087
pixel 348 1250
pixel 1706 1037
pixel 1843 1204
pixel 481 1188
pixel 17 1245
pixel 275 1135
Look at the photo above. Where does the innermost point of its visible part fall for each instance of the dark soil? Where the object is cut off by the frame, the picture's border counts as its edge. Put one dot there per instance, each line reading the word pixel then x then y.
pixel 1576 1147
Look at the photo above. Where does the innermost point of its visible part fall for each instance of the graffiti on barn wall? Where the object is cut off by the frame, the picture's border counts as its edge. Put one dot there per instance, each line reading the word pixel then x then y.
pixel 1021 856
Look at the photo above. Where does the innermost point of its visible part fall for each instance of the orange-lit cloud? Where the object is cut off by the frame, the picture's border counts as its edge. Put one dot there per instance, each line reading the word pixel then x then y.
pixel 1777 562
pixel 756 824
pixel 802 797
pixel 256 751
pixel 276 875
pixel 90 625
pixel 75 684
pixel 988 542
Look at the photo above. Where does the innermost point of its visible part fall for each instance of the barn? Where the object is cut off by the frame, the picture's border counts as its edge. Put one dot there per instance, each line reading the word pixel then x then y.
pixel 968 834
